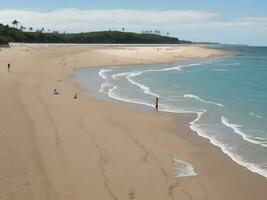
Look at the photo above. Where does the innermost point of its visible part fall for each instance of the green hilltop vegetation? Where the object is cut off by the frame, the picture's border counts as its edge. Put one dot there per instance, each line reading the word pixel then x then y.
pixel 11 34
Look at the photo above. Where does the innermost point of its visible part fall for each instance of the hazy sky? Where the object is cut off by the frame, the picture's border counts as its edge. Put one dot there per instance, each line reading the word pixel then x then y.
pixel 235 21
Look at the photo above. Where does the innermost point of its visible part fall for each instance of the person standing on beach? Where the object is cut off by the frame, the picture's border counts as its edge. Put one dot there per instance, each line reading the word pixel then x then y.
pixel 8 67
pixel 157 104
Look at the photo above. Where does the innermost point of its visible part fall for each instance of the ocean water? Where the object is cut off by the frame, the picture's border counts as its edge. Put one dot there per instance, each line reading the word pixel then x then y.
pixel 229 96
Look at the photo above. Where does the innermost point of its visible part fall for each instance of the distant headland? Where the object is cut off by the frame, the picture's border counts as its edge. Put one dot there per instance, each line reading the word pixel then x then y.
pixel 21 35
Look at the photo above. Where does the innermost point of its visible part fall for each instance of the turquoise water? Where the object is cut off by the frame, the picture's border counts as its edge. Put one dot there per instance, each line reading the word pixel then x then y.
pixel 229 96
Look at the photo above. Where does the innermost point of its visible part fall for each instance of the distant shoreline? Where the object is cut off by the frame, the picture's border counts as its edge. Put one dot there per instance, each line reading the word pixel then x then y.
pixel 94 44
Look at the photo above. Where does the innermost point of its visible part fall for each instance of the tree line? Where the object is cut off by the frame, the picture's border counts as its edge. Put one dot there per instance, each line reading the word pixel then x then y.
pixel 19 33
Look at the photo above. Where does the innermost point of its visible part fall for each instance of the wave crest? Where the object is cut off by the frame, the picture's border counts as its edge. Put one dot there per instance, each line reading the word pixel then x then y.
pixel 237 129
pixel 202 100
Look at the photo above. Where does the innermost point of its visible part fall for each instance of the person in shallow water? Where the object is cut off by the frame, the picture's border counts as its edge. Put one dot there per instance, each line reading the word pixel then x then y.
pixel 157 104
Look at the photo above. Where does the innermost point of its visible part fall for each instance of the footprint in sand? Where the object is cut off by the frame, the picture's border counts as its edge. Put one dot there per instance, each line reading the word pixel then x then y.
pixel 131 195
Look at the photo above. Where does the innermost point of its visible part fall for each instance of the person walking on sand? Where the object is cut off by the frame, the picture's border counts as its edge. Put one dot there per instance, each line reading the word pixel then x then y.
pixel 157 104
pixel 8 67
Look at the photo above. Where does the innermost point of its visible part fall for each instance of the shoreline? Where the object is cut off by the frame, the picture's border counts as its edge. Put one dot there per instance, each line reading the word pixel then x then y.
pixel 90 149
pixel 141 106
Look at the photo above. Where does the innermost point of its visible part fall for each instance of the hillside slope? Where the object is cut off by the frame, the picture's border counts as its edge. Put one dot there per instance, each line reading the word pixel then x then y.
pixel 9 34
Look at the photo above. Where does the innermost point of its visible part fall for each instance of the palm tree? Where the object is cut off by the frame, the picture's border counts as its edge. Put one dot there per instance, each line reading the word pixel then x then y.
pixel 15 23
pixel 30 29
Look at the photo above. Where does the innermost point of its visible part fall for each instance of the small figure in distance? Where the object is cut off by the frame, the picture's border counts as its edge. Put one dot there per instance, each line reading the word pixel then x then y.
pixel 75 96
pixel 55 92
pixel 8 67
pixel 157 104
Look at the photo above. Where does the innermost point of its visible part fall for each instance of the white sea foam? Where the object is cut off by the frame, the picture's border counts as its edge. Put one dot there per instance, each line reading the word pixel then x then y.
pixel 102 74
pixel 237 129
pixel 163 108
pixel 177 68
pixel 145 88
pixel 112 94
pixel 230 64
pixel 116 76
pixel 193 125
pixel 182 168
pixel 103 87
pixel 112 89
pixel 219 70
pixel 129 76
pixel 226 149
pixel 255 115
pixel 237 63
pixel 202 100
pixel 261 138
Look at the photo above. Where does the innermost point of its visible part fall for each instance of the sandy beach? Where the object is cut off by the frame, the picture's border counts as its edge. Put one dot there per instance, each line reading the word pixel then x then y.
pixel 55 147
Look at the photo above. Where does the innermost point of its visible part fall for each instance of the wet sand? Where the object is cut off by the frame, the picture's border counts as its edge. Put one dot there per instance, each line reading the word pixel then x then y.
pixel 56 147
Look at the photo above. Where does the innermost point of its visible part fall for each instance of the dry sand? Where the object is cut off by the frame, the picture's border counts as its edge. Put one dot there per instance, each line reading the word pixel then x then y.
pixel 55 147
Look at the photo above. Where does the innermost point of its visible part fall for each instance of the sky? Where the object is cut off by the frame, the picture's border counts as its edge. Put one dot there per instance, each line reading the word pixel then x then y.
pixel 225 21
